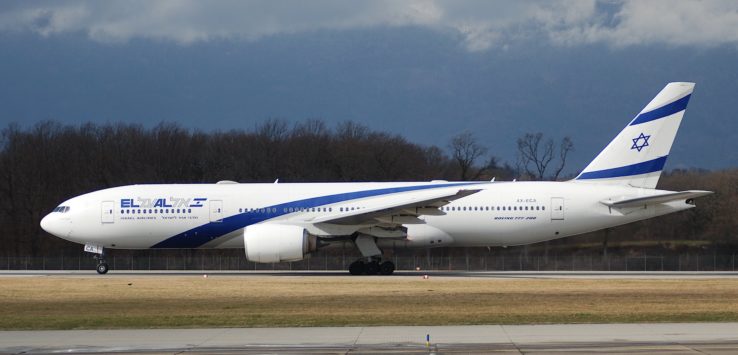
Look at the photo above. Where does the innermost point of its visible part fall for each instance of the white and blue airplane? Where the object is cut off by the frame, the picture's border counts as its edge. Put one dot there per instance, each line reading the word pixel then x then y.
pixel 287 222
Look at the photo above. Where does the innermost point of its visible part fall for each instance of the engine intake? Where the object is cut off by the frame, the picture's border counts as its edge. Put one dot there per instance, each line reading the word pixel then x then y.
pixel 273 243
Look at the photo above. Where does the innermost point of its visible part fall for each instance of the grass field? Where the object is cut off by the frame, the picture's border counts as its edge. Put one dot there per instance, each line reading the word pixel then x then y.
pixel 260 301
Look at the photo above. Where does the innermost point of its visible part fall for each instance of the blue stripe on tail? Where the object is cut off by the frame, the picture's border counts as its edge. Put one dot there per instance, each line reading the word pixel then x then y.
pixel 628 170
pixel 666 110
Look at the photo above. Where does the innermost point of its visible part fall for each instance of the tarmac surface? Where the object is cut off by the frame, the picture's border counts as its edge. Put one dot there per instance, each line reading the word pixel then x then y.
pixel 461 274
pixel 666 338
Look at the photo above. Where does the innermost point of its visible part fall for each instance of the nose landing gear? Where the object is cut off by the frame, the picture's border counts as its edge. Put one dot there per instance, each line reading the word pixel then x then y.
pixel 102 266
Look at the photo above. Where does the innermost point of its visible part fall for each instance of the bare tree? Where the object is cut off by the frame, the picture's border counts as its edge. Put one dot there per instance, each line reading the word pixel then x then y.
pixel 565 147
pixel 535 155
pixel 530 153
pixel 466 151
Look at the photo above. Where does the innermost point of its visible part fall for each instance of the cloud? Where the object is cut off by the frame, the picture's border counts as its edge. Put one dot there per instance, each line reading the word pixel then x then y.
pixel 678 23
pixel 482 25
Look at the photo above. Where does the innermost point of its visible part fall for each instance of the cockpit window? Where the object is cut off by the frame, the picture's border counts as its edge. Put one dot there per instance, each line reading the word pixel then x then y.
pixel 61 209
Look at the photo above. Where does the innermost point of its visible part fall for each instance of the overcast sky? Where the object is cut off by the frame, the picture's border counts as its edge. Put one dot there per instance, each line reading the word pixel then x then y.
pixel 481 25
pixel 578 68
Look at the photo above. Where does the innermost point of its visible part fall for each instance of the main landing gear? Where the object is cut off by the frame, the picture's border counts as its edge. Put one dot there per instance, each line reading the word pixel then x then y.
pixel 372 267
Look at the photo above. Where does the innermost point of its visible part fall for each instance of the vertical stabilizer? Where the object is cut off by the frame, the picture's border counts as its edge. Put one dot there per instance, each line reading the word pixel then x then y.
pixel 638 154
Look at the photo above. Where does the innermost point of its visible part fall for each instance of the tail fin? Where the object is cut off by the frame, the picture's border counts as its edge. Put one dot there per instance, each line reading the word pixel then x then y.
pixel 638 154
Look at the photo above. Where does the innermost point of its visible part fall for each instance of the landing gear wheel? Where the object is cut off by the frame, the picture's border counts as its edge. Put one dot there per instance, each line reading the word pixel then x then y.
pixel 357 268
pixel 102 268
pixel 372 268
pixel 386 268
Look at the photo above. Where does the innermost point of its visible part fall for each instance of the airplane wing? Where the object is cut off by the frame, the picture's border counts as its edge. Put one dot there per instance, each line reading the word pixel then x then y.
pixel 655 199
pixel 394 210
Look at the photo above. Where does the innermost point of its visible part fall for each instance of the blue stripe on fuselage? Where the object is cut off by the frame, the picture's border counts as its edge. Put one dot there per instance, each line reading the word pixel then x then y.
pixel 200 235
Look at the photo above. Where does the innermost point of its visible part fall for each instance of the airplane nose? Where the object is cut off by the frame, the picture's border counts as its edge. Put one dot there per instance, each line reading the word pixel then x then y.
pixel 55 226
pixel 46 223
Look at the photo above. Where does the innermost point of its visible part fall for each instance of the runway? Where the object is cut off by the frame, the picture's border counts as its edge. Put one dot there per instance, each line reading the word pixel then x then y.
pixel 445 274
pixel 668 338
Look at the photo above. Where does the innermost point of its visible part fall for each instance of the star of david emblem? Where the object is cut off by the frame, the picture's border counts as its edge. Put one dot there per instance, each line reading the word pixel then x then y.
pixel 640 142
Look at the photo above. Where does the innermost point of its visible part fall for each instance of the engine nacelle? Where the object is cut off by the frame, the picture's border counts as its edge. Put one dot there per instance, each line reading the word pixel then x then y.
pixel 273 243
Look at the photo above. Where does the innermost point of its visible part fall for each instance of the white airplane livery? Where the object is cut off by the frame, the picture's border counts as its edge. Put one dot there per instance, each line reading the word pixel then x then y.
pixel 287 222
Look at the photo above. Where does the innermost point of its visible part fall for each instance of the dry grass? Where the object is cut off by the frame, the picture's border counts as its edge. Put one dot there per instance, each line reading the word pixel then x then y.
pixel 256 301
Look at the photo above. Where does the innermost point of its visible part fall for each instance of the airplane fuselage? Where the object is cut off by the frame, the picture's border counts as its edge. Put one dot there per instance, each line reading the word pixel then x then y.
pixel 214 215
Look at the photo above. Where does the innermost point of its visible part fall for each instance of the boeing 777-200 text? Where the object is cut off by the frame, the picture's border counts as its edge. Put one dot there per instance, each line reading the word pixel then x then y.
pixel 287 222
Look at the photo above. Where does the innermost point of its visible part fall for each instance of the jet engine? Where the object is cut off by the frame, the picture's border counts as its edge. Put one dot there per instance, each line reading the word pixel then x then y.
pixel 273 243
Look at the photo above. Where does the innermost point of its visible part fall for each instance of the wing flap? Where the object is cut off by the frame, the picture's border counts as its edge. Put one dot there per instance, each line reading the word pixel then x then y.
pixel 395 211
pixel 655 199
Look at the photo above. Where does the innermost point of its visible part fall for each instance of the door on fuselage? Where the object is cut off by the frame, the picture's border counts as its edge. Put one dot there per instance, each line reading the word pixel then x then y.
pixel 216 211
pixel 107 212
pixel 557 208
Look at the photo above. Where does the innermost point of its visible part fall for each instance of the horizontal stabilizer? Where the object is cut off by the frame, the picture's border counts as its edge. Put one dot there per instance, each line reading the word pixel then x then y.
pixel 655 199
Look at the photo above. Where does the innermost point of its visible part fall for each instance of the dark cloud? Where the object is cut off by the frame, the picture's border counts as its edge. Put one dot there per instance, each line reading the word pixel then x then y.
pixel 481 24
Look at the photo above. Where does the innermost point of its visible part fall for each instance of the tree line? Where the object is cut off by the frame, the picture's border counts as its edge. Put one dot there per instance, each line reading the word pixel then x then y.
pixel 43 165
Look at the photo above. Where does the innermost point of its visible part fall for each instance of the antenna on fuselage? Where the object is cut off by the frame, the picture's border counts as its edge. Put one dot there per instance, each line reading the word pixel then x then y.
pixel 276 181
